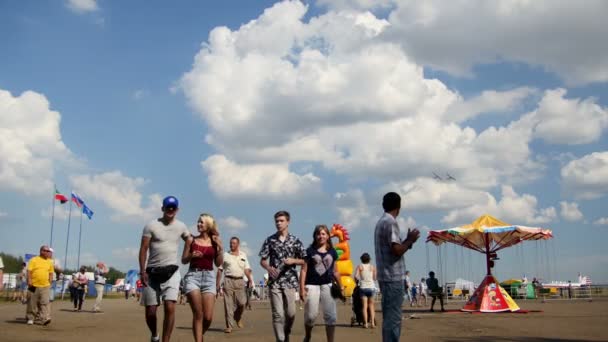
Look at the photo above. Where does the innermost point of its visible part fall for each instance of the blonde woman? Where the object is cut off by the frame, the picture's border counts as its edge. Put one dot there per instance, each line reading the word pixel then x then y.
pixel 200 283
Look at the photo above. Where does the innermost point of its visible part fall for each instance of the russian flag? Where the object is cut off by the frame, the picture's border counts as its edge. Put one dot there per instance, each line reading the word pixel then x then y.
pixel 77 200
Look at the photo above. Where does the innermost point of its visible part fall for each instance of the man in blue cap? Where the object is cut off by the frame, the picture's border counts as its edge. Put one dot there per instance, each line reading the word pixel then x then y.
pixel 159 268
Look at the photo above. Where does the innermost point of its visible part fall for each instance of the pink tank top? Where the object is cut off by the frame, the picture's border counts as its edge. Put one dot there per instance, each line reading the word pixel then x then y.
pixel 204 262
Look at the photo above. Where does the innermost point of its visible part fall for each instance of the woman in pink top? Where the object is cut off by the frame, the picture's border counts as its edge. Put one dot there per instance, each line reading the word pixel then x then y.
pixel 200 283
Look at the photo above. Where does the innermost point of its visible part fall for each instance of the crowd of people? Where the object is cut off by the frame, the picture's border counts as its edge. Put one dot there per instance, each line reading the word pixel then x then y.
pixel 295 273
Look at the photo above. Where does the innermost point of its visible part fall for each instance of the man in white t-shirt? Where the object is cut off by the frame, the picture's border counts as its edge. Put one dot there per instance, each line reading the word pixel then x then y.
pixel 235 267
pixel 159 268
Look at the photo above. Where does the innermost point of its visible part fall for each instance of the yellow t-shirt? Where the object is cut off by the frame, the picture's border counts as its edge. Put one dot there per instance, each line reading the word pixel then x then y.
pixel 40 269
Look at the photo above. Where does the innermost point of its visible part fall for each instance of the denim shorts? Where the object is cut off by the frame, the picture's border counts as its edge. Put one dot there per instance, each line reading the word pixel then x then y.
pixel 368 292
pixel 202 280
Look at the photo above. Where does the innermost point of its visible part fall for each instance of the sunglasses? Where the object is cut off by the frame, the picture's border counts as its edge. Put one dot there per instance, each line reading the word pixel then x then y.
pixel 46 250
pixel 170 208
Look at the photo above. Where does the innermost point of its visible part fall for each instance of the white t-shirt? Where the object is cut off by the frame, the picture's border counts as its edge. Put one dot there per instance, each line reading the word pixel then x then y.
pixel 164 241
pixel 1 264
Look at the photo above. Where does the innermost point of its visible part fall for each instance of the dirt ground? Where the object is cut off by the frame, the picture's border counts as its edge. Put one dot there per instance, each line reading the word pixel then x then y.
pixel 124 321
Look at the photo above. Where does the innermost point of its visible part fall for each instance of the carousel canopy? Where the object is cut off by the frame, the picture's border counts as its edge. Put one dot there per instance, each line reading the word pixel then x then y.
pixel 489 229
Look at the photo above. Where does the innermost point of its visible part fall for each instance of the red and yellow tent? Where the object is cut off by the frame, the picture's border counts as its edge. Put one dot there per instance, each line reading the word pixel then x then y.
pixel 488 235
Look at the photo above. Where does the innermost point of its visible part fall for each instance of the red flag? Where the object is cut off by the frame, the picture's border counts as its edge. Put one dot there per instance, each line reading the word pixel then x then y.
pixel 59 197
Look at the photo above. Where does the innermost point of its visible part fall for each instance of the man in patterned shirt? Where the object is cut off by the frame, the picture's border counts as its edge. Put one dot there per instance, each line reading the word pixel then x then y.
pixel 280 254
pixel 390 265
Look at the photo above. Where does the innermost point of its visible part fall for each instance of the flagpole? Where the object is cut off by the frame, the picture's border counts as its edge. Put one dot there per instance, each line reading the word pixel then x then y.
pixel 79 238
pixel 52 217
pixel 67 240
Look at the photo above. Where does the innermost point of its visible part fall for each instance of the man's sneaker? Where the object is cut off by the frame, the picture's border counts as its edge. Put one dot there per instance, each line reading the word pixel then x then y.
pixel 240 324
pixel 47 322
pixel 155 339
pixel 30 322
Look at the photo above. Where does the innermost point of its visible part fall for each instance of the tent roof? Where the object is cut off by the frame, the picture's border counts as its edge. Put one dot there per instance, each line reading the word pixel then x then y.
pixel 488 229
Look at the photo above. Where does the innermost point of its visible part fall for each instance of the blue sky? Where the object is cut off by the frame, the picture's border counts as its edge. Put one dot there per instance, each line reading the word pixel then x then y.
pixel 243 108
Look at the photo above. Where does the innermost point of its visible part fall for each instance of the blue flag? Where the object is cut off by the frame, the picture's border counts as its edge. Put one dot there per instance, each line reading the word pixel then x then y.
pixel 87 211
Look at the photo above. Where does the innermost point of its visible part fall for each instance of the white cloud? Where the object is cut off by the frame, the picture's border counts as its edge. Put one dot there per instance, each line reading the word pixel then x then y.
pixel 601 221
pixel 355 4
pixel 228 179
pixel 342 84
pixel 232 223
pixel 329 72
pixel 82 6
pixel 430 194
pixel 62 211
pixel 352 208
pixel 30 143
pixel 587 177
pixel 489 101
pixel 570 211
pixel 511 208
pixel 3 214
pixel 456 35
pixel 120 193
pixel 569 121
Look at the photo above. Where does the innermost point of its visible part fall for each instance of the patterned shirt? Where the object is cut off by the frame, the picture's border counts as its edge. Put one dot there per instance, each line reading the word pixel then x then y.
pixel 388 266
pixel 276 251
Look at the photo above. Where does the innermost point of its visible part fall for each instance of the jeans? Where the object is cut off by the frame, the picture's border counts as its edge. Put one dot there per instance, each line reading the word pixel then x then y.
pixel 392 299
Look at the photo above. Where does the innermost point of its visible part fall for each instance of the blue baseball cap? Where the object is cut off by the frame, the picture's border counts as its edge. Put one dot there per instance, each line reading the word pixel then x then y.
pixel 170 201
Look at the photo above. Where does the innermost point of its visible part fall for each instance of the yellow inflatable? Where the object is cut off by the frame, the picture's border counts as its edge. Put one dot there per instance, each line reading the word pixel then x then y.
pixel 344 264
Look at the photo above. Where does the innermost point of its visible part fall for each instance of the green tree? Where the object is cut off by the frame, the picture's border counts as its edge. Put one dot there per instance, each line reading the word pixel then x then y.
pixel 114 274
pixel 12 264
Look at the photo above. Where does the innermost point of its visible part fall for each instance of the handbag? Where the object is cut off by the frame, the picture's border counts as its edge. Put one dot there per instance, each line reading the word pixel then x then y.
pixel 336 291
pixel 160 274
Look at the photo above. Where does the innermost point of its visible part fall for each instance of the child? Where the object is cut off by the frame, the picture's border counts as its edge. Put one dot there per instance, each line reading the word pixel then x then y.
pixel 316 278
pixel 414 292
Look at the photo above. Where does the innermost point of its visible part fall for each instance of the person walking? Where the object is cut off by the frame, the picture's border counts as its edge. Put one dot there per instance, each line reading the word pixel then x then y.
pixel 80 283
pixel 40 272
pixel 316 276
pixel 200 283
pixel 100 283
pixel 366 273
pixel 281 252
pixel 390 264
pixel 235 266
pixel 158 266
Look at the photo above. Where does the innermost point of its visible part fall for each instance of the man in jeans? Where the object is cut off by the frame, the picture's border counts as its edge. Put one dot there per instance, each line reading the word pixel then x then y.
pixel 390 265
pixel 40 272
pixel 161 238
pixel 280 254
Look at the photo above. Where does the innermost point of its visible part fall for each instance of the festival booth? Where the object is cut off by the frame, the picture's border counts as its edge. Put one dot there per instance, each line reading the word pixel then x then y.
pixel 518 289
pixel 488 235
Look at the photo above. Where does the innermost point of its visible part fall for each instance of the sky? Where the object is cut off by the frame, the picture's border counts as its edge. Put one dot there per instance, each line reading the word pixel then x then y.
pixel 244 108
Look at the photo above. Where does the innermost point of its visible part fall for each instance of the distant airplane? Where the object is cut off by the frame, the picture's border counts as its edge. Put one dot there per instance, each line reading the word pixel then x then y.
pixel 435 176
pixel 450 177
